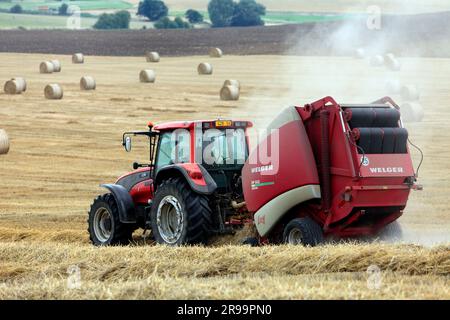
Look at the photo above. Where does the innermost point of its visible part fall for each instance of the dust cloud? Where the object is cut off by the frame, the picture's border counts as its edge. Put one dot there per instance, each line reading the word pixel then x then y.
pixel 351 79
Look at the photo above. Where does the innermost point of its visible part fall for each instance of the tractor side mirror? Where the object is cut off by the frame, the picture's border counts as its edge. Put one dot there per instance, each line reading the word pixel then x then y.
pixel 127 144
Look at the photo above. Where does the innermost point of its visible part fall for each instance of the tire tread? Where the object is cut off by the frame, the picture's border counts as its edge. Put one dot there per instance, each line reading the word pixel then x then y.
pixel 122 233
pixel 196 206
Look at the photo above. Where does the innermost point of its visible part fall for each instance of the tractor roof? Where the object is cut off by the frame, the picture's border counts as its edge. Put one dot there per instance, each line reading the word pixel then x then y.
pixel 174 125
pixel 189 124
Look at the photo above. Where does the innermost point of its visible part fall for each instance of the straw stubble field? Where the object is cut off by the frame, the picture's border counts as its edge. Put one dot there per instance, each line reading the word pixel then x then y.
pixel 62 150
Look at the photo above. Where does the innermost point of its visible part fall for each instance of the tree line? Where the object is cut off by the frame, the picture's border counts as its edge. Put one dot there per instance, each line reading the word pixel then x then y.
pixel 222 13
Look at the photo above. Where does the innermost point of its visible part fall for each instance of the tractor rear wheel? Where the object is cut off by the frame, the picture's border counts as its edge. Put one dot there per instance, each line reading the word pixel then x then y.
pixel 304 231
pixel 105 227
pixel 179 215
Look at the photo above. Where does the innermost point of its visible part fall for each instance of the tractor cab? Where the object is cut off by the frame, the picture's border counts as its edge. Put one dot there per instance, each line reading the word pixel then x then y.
pixel 219 147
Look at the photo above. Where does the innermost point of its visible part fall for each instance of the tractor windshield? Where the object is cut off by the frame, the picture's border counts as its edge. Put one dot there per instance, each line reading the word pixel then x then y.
pixel 224 147
pixel 173 148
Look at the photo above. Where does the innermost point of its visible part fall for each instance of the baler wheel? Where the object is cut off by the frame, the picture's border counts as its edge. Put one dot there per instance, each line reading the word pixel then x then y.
pixel 303 231
pixel 104 226
pixel 251 241
pixel 179 215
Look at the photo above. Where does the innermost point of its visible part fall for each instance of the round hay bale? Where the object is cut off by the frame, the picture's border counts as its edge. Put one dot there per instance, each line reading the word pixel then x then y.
pixel 4 142
pixel 412 112
pixel 393 86
pixel 410 93
pixel 15 86
pixel 392 62
pixel 56 65
pixel 389 57
pixel 152 56
pixel 376 61
pixel 229 93
pixel 235 83
pixel 21 82
pixel 78 58
pixel 87 83
pixel 395 65
pixel 205 68
pixel 46 67
pixel 11 87
pixel 147 76
pixel 53 91
pixel 359 53
pixel 215 53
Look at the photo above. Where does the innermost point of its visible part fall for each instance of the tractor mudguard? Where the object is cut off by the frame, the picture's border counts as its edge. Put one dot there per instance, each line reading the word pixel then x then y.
pixel 124 202
pixel 195 174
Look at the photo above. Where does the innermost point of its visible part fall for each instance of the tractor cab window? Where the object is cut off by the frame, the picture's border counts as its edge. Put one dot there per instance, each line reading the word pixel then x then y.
pixel 174 147
pixel 226 147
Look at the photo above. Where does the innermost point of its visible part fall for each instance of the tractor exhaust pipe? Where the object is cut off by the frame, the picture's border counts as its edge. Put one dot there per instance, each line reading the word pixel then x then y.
pixel 325 159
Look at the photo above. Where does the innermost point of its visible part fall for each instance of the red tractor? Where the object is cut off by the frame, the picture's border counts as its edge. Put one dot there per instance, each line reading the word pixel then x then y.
pixel 339 170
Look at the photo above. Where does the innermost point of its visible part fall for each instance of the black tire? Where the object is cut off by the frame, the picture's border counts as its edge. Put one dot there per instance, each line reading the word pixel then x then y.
pixel 193 208
pixel 392 232
pixel 119 233
pixel 303 231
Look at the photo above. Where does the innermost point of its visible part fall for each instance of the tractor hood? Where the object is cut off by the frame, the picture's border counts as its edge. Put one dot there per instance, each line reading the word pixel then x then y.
pixel 132 178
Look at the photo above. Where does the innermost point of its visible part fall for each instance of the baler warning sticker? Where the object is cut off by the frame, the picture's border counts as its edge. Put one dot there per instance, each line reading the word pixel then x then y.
pixel 262 220
pixel 256 184
pixel 365 161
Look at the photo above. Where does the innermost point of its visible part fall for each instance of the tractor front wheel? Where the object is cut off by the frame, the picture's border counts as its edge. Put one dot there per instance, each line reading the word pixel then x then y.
pixel 303 231
pixel 179 215
pixel 105 227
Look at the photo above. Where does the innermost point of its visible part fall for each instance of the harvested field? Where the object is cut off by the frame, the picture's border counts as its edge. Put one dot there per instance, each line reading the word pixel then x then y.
pixel 222 273
pixel 61 150
pixel 415 35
